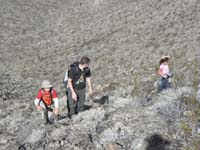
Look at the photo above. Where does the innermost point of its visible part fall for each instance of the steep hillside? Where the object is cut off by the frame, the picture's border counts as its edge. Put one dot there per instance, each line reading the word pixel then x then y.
pixel 123 38
pixel 40 38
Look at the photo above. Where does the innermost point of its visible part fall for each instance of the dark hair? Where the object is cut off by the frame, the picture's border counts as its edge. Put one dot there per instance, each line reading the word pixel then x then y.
pixel 164 60
pixel 84 60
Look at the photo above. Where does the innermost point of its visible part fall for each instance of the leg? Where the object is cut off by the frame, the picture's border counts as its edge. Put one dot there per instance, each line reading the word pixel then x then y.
pixel 45 111
pixel 50 113
pixel 68 108
pixel 81 100
pixel 165 84
pixel 71 104
pixel 168 84
pixel 46 116
pixel 162 84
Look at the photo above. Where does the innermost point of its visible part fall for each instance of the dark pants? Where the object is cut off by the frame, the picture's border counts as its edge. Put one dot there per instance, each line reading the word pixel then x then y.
pixel 73 106
pixel 67 90
pixel 163 84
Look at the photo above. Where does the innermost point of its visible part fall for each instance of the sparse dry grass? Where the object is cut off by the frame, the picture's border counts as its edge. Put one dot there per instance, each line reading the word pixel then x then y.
pixel 192 118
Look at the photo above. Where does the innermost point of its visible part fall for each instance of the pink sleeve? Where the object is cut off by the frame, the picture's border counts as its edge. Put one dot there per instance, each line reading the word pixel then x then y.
pixel 162 66
pixel 39 95
pixel 161 69
pixel 54 94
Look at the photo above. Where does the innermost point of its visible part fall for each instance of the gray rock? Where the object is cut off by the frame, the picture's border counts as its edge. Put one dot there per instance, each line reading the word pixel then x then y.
pixel 138 144
pixel 198 94
pixel 35 136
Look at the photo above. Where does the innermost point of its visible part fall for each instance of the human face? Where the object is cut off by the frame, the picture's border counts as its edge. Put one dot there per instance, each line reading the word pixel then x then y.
pixel 47 89
pixel 166 62
pixel 85 65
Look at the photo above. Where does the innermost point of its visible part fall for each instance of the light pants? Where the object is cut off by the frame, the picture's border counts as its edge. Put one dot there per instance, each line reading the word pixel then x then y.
pixel 47 112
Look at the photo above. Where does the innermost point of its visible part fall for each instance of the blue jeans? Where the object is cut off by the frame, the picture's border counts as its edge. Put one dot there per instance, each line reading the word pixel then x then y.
pixel 163 84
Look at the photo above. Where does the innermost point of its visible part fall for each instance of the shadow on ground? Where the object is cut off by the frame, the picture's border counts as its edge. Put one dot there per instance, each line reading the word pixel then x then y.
pixel 157 142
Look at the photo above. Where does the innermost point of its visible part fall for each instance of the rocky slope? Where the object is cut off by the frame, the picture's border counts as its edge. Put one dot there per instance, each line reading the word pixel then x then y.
pixel 124 39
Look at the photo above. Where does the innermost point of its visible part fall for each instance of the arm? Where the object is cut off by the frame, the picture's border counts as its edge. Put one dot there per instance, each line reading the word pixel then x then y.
pixel 37 104
pixel 37 100
pixel 56 106
pixel 89 82
pixel 74 95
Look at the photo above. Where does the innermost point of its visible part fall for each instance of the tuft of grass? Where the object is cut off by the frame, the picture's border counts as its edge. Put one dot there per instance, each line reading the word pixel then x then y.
pixel 186 128
pixel 196 143
pixel 191 101
pixel 193 105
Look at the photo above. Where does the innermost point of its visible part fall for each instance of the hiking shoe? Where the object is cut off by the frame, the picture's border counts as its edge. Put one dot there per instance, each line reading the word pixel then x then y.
pixel 69 116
